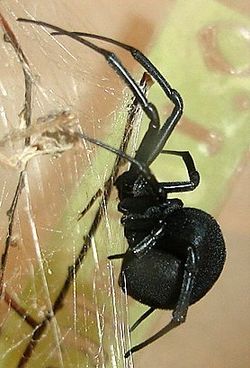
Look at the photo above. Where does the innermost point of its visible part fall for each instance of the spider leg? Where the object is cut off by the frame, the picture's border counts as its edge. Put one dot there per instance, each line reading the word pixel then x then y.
pixel 145 171
pixel 141 319
pixel 148 242
pixel 116 256
pixel 184 186
pixel 180 311
pixel 145 83
pixel 154 141
pixel 148 143
pixel 171 93
pixel 149 109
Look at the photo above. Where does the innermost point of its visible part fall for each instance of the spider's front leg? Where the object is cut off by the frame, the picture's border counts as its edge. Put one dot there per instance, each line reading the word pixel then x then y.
pixel 193 174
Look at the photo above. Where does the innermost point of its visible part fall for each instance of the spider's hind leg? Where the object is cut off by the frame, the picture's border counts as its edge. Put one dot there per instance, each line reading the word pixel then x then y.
pixel 180 311
pixel 141 319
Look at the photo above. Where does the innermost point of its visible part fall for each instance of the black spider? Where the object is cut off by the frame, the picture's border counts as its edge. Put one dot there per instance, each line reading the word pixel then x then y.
pixel 175 254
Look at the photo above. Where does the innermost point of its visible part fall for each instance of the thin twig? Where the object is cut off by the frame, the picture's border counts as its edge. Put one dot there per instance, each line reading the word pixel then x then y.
pixel 26 114
pixel 74 268
pixel 20 311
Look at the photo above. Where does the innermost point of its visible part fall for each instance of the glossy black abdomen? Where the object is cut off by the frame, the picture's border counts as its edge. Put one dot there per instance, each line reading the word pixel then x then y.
pixel 155 277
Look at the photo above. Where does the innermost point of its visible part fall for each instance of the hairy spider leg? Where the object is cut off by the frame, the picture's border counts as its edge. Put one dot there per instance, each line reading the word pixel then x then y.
pixel 182 186
pixel 180 311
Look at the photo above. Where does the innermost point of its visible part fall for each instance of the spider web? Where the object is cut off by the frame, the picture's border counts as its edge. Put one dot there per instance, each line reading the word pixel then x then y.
pixel 74 89
pixel 61 304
